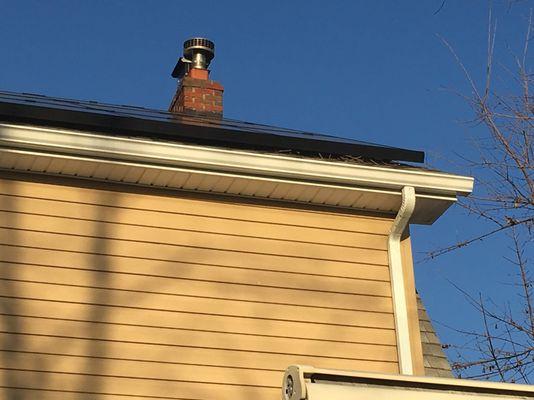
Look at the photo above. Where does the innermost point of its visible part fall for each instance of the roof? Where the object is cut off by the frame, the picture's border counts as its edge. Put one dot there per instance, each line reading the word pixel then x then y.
pixel 132 145
pixel 121 120
pixel 435 360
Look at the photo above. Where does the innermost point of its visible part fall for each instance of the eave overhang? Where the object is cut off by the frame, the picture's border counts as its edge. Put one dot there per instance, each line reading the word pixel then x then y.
pixel 224 171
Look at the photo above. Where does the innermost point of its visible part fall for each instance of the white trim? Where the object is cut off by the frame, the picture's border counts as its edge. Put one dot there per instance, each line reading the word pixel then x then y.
pixel 396 386
pixel 400 307
pixel 164 153
pixel 429 208
pixel 158 168
pixel 223 171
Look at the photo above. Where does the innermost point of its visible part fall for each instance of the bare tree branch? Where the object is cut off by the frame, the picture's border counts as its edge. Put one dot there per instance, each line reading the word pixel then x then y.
pixel 503 348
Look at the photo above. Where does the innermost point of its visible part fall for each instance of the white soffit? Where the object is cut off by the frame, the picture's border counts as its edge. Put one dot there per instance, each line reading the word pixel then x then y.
pixel 207 169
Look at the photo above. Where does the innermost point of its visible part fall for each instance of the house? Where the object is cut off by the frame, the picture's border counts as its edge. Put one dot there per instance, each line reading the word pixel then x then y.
pixel 181 255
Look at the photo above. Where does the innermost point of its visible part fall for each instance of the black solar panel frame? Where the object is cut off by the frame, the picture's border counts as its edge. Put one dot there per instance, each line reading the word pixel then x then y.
pixel 122 120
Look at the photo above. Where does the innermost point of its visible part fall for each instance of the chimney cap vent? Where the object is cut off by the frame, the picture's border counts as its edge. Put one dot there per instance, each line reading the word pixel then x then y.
pixel 198 53
pixel 199 44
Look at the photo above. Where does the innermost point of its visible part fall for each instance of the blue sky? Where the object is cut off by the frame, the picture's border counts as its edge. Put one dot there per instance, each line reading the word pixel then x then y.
pixel 369 70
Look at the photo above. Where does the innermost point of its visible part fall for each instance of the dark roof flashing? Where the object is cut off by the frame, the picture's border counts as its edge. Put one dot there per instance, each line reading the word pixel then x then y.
pixel 137 121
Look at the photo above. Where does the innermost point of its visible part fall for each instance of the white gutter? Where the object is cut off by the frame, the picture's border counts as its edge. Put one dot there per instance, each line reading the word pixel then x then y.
pixel 234 161
pixel 166 164
pixel 400 307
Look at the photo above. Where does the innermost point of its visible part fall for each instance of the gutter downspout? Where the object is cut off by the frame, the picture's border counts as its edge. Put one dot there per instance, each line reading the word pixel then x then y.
pixel 400 307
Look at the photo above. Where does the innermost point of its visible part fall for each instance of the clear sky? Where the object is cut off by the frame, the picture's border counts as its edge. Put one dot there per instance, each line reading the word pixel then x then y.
pixel 369 70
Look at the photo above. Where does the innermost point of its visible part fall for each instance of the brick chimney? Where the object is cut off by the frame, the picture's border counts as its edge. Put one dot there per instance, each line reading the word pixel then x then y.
pixel 197 94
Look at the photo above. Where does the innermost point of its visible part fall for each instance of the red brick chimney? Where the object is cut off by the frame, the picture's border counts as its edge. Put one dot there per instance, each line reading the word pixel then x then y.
pixel 196 93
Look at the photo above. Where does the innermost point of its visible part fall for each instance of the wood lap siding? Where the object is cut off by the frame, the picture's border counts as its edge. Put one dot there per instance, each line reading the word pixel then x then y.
pixel 108 294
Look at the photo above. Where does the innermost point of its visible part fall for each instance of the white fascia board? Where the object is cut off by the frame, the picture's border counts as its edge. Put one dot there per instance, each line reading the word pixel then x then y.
pixel 173 154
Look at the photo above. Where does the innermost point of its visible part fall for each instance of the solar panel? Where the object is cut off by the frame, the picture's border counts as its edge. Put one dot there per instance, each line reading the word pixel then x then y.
pixel 124 119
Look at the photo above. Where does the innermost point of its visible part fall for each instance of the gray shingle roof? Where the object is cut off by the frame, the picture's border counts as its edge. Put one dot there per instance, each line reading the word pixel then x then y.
pixel 435 360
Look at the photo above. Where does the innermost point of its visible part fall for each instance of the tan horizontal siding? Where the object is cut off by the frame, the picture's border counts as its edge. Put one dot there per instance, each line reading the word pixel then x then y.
pixel 153 265
pixel 186 222
pixel 158 239
pixel 190 304
pixel 63 343
pixel 197 207
pixel 168 269
pixel 133 386
pixel 58 394
pixel 172 296
pixel 112 247
pixel 141 369
pixel 153 295
pixel 192 276
pixel 201 339
pixel 213 321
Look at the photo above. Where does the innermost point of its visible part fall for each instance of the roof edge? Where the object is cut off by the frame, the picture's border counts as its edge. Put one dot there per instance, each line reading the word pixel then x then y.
pixel 166 153
pixel 230 172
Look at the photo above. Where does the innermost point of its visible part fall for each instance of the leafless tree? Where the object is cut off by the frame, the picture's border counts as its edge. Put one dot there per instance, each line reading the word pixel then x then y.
pixel 503 348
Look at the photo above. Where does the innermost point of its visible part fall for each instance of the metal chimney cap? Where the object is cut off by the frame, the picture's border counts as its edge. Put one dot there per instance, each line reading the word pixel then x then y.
pixel 199 44
pixel 198 53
